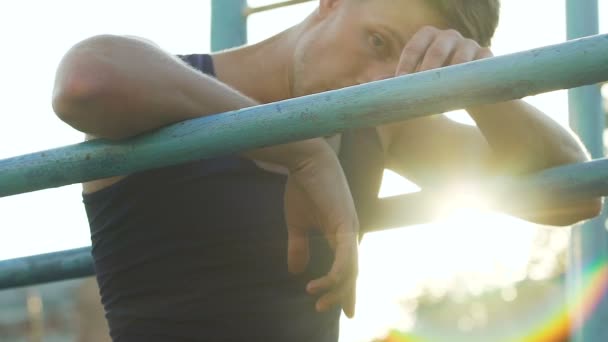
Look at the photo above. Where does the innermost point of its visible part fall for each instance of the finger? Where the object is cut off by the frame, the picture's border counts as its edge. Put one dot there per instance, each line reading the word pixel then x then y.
pixel 349 301
pixel 344 266
pixel 465 52
pixel 345 295
pixel 328 300
pixel 298 254
pixel 330 280
pixel 297 216
pixel 484 53
pixel 439 52
pixel 414 50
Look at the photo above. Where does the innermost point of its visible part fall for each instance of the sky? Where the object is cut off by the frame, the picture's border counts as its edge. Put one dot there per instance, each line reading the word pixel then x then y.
pixel 35 35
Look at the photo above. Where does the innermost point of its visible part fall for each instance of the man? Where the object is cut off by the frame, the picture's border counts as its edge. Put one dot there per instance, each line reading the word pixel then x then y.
pixel 197 251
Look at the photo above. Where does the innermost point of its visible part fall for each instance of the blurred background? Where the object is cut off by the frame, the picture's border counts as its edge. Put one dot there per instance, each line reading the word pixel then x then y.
pixel 473 275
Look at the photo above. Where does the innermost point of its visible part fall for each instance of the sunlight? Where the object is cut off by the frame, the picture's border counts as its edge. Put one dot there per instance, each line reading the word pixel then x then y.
pixel 462 197
pixel 460 116
pixel 468 251
pixel 394 185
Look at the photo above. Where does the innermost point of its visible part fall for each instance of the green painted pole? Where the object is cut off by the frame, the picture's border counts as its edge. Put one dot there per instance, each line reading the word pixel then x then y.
pixel 567 65
pixel 228 24
pixel 253 10
pixel 44 268
pixel 589 242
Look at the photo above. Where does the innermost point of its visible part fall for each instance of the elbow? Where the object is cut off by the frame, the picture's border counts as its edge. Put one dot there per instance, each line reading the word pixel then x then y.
pixel 81 79
pixel 586 210
pixel 71 96
pixel 567 216
pixel 572 151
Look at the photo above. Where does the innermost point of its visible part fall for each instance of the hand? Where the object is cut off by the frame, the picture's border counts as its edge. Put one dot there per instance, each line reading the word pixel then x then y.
pixel 432 48
pixel 317 197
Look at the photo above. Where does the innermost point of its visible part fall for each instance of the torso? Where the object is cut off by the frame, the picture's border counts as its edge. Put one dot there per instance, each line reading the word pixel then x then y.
pixel 201 247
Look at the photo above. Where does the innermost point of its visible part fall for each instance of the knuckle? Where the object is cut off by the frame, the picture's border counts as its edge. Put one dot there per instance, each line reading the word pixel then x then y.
pixel 411 50
pixel 333 278
pixel 459 59
pixel 485 52
pixel 428 29
pixel 437 50
pixel 333 298
pixel 451 33
pixel 470 43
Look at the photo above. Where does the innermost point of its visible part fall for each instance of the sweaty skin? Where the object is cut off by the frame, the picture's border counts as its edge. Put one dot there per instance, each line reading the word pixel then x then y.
pixel 117 87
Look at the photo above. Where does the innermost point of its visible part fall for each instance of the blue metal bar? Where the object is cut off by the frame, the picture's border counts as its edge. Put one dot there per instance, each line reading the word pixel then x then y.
pixel 228 24
pixel 586 112
pixel 589 242
pixel 43 268
pixel 252 10
pixel 571 182
pixel 567 65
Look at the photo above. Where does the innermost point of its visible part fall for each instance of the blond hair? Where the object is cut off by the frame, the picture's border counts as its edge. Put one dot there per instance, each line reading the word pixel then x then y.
pixel 474 19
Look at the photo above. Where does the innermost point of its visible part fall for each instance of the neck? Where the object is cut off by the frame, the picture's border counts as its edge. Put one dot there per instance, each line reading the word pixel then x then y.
pixel 261 71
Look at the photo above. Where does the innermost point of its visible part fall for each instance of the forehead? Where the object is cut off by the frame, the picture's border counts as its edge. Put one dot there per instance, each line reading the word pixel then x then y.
pixel 403 16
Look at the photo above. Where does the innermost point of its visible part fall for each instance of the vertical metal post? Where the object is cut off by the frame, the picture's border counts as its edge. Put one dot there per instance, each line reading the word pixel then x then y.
pixel 589 242
pixel 228 24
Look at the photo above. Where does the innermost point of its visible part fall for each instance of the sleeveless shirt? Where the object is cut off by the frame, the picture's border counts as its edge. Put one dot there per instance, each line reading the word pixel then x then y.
pixel 198 251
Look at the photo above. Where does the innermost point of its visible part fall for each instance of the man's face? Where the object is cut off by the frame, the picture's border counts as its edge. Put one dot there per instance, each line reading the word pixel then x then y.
pixel 353 42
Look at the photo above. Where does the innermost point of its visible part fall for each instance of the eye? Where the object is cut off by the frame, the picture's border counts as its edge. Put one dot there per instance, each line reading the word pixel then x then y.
pixel 377 41
pixel 379 44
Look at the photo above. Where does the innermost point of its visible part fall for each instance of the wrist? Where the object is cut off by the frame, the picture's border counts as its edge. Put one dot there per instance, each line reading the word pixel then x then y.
pixel 295 155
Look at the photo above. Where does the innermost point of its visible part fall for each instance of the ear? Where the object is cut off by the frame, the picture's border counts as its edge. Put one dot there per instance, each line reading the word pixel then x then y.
pixel 327 6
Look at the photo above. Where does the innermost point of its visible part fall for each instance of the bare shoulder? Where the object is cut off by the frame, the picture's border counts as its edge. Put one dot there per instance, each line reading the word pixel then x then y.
pixel 96 185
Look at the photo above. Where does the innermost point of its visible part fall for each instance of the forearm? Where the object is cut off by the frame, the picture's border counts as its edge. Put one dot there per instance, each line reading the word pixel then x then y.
pixel 116 87
pixel 523 139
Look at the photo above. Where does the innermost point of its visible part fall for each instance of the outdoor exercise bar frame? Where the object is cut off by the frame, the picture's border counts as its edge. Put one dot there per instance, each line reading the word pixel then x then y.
pixel 229 29
pixel 252 10
pixel 588 242
pixel 569 64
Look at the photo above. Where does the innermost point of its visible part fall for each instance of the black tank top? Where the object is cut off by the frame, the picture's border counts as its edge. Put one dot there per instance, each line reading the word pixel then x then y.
pixel 198 251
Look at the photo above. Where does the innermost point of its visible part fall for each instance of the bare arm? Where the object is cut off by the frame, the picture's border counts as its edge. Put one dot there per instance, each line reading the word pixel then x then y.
pixel 512 137
pixel 524 139
pixel 117 87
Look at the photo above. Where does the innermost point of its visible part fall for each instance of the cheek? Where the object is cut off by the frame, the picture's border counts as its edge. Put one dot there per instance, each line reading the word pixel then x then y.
pixel 327 64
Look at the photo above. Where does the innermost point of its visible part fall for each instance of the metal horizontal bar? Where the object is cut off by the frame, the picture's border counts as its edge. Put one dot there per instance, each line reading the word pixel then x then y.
pixel 44 268
pixel 252 10
pixel 567 65
pixel 571 182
